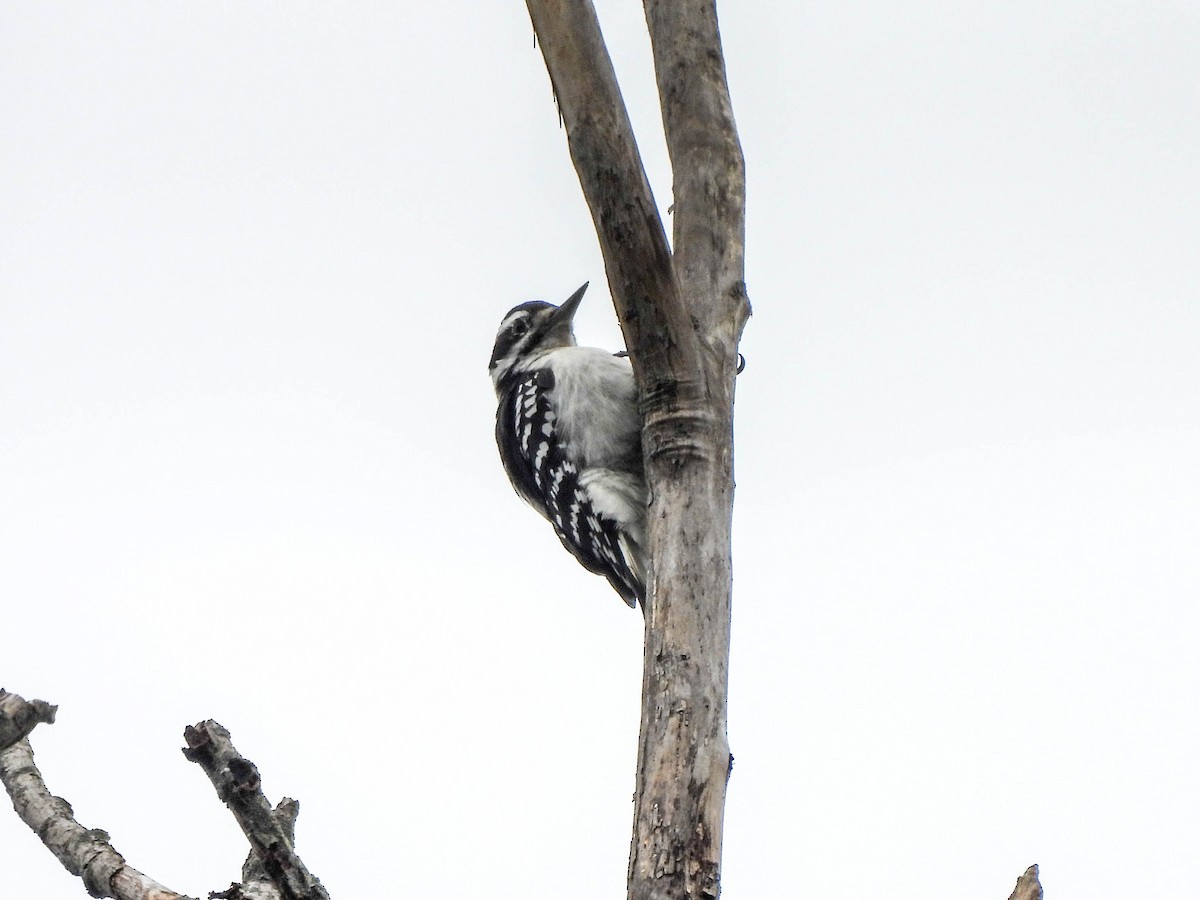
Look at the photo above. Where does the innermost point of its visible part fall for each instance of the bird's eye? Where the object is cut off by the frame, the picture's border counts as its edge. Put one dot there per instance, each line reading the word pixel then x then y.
pixel 519 327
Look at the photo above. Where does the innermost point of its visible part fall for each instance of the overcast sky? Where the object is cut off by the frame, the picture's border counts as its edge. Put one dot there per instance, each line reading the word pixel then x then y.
pixel 253 258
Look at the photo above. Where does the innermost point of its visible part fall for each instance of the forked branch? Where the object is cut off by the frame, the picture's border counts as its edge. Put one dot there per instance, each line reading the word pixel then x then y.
pixel 272 870
pixel 682 315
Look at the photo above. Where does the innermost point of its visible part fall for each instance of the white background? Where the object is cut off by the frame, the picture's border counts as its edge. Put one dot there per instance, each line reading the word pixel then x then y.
pixel 253 259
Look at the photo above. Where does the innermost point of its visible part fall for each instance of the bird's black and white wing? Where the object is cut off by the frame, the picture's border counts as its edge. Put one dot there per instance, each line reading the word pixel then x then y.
pixel 582 507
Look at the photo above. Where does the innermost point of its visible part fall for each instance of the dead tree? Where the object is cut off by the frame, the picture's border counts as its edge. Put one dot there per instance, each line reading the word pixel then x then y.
pixel 682 307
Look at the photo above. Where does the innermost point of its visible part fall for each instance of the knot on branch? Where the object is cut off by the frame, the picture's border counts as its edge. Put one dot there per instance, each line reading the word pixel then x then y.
pixel 245 776
pixel 18 717
pixel 102 862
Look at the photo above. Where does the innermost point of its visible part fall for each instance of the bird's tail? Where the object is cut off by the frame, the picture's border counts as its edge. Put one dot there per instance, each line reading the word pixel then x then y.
pixel 620 497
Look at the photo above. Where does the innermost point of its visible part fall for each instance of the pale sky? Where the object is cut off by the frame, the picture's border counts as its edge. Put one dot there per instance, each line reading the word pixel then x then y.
pixel 252 259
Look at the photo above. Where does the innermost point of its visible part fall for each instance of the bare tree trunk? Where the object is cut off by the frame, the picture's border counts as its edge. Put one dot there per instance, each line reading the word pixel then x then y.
pixel 684 760
pixel 682 314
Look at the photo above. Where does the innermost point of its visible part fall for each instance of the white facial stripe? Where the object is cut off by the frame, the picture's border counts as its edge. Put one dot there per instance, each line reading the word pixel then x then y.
pixel 512 317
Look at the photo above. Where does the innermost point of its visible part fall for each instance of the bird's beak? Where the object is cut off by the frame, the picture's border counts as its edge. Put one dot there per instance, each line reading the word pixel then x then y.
pixel 566 313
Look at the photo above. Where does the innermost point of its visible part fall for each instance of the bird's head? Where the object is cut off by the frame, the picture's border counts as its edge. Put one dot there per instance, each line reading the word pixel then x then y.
pixel 529 329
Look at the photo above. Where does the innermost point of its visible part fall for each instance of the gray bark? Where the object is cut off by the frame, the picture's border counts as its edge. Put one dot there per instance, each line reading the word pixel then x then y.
pixel 272 870
pixel 682 313
pixel 84 852
pixel 271 832
pixel 1028 886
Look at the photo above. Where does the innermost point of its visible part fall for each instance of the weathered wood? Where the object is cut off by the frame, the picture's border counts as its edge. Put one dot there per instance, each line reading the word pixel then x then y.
pixel 18 717
pixel 271 832
pixel 271 872
pixel 684 758
pixel 682 315
pixel 600 139
pixel 1029 887
pixel 84 852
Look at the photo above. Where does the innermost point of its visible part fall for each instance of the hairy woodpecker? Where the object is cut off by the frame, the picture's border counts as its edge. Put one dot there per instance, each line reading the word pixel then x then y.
pixel 570 438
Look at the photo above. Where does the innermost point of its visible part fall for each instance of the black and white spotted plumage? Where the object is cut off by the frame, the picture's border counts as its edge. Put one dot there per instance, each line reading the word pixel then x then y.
pixel 569 435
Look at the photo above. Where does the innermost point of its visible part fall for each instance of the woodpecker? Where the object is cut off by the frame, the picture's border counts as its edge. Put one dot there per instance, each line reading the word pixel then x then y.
pixel 570 438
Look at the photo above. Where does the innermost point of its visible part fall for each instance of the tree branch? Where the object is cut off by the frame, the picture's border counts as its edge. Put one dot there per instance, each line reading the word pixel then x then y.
pixel 269 831
pixel 272 870
pixel 682 316
pixel 18 717
pixel 84 852
pixel 600 139
pixel 708 169
pixel 1028 886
